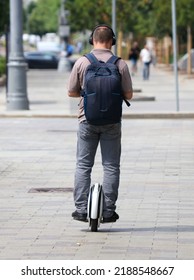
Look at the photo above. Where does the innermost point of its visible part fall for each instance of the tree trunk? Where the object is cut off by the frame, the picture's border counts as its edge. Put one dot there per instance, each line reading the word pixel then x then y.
pixel 119 43
pixel 189 47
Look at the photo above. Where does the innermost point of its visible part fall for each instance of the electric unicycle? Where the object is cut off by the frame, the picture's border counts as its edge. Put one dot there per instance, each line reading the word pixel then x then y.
pixel 95 206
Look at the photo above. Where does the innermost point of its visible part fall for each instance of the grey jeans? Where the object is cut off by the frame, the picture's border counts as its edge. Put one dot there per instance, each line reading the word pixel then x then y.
pixel 89 136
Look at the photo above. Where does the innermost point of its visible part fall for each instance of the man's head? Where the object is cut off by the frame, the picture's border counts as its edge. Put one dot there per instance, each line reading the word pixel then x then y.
pixel 102 34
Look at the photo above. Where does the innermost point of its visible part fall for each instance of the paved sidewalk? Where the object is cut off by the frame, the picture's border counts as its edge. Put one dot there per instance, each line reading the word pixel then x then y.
pixel 156 197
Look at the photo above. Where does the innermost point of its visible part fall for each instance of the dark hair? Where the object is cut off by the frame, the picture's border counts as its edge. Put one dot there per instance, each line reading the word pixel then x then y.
pixel 102 33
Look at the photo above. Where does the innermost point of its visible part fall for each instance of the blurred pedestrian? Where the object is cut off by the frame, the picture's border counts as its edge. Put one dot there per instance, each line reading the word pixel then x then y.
pixel 69 50
pixel 79 47
pixel 146 58
pixel 133 57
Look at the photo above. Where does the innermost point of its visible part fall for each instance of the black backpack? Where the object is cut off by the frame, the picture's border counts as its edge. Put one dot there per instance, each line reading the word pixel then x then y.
pixel 102 91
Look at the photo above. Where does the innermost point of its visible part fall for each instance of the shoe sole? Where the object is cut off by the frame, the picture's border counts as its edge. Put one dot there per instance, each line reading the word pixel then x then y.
pixel 105 222
pixel 81 220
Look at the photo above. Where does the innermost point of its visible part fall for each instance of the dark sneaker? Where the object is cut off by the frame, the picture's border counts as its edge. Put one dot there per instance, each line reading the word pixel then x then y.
pixel 111 219
pixel 79 216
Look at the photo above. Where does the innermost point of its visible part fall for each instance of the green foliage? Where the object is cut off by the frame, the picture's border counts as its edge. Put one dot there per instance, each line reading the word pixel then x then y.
pixel 44 17
pixel 185 12
pixel 2 65
pixel 162 18
pixel 125 15
pixel 155 17
pixel 4 15
pixel 142 17
pixel 86 14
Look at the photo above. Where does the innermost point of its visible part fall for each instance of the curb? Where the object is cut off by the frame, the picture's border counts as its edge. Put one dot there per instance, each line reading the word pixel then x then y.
pixel 161 115
pixel 143 98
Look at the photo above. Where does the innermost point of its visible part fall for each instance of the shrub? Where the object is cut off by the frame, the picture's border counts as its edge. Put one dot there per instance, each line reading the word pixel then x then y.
pixel 2 66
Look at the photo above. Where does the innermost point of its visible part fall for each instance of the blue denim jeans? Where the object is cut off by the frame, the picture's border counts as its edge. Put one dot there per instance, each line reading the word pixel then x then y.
pixel 146 70
pixel 89 136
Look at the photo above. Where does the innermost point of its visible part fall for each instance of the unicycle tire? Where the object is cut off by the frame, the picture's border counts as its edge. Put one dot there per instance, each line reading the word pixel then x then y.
pixel 95 206
pixel 94 224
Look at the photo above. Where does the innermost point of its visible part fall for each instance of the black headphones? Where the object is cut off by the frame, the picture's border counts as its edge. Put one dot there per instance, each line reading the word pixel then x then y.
pixel 103 25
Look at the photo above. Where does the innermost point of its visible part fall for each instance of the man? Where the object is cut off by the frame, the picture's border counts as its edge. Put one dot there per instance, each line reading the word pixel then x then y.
pixel 146 59
pixel 133 57
pixel 89 136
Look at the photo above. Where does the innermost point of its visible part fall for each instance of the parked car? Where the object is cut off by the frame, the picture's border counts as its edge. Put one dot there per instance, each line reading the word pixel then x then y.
pixel 182 62
pixel 41 60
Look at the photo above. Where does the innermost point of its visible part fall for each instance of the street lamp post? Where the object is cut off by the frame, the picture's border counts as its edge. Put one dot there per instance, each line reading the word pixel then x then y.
pixel 114 22
pixel 17 84
pixel 64 28
pixel 173 4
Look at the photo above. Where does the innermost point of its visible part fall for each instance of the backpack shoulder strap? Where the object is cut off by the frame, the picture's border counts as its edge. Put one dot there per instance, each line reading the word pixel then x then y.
pixel 113 59
pixel 91 57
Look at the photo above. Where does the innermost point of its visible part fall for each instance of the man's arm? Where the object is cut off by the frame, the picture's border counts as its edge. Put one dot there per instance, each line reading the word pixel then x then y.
pixel 126 83
pixel 128 95
pixel 74 86
pixel 73 94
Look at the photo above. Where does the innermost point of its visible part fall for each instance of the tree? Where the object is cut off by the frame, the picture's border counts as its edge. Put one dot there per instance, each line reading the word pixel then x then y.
pixel 86 14
pixel 185 19
pixel 4 16
pixel 44 17
pixel 26 14
pixel 4 28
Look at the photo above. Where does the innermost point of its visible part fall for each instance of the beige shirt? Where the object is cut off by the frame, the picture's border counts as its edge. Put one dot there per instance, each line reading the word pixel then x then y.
pixel 76 80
